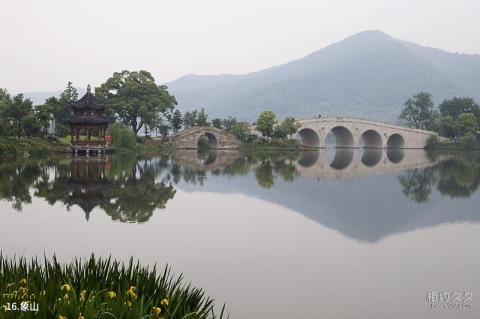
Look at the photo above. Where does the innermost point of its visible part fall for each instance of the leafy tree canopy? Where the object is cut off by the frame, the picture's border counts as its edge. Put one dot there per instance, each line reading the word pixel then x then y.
pixel 459 105
pixel 136 99
pixel 419 111
pixel 265 123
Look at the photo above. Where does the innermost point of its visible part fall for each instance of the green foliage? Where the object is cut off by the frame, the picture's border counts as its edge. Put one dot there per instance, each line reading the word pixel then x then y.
pixel 13 149
pixel 228 123
pixel 123 137
pixel 69 95
pixel 470 141
pixel 164 129
pixel 16 110
pixel 7 151
pixel 44 115
pixel 176 121
pixel 290 126
pixel 202 118
pixel 136 99
pixel 419 111
pixel 279 132
pixel 432 141
pixel 190 118
pixel 30 125
pixel 265 123
pixel 458 105
pixel 447 127
pixel 242 131
pixel 466 124
pixel 217 123
pixel 99 288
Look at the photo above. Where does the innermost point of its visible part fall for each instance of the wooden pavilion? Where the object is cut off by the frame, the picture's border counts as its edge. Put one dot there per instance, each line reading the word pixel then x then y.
pixel 88 125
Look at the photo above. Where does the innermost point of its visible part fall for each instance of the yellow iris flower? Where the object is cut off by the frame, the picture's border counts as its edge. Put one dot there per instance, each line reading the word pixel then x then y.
pixel 164 302
pixel 156 311
pixel 111 294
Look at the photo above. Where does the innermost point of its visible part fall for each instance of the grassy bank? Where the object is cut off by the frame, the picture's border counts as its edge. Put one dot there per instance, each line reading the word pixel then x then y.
pixel 465 144
pixel 13 148
pixel 96 288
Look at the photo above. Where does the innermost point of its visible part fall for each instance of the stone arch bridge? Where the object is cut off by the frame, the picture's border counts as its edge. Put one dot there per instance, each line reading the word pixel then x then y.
pixel 355 133
pixel 217 138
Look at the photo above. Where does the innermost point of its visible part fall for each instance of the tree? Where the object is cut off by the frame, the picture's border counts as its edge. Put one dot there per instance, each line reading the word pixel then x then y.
pixel 44 115
pixel 265 122
pixel 123 137
pixel 419 111
pixel 190 118
pixel 30 125
pixel 229 122
pixel 217 123
pixel 17 109
pixel 5 101
pixel 176 121
pixel 241 130
pixel 136 99
pixel 290 126
pixel 69 95
pixel 202 118
pixel 279 132
pixel 164 129
pixel 447 127
pixel 459 105
pixel 466 124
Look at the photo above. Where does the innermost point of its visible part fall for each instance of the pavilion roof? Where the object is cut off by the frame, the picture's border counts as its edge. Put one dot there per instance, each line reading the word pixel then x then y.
pixel 88 119
pixel 88 102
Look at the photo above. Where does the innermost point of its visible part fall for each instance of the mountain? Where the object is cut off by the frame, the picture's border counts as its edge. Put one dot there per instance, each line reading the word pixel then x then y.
pixel 367 75
pixel 40 97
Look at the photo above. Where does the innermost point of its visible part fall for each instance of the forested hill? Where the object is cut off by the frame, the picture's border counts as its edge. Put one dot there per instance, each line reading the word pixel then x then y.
pixel 368 75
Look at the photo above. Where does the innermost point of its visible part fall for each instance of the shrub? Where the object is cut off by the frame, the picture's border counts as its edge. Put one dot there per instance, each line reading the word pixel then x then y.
pixel 432 141
pixel 123 137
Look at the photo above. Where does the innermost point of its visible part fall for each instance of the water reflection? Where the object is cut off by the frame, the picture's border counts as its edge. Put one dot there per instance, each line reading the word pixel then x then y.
pixel 124 188
pixel 131 190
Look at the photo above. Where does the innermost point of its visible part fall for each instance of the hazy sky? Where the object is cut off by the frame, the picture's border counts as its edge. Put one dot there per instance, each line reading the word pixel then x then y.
pixel 47 43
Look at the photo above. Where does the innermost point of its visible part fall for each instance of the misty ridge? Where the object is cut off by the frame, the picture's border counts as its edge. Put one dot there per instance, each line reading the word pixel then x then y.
pixel 368 75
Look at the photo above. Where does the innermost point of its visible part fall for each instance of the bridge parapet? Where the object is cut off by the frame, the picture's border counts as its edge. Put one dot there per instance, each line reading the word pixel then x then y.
pixel 352 132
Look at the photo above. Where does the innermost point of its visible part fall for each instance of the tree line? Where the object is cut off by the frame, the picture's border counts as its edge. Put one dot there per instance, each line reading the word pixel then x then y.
pixel 455 118
pixel 134 101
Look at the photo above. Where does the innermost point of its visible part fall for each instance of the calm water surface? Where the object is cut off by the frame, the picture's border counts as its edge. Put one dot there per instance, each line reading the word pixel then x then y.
pixel 345 234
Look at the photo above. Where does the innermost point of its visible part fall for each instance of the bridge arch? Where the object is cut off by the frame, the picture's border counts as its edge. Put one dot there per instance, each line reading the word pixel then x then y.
pixel 371 139
pixel 309 137
pixel 210 138
pixel 343 137
pixel 217 138
pixel 396 141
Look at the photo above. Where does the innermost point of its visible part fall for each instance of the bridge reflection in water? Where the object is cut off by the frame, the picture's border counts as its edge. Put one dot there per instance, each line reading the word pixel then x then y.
pixel 325 163
pixel 350 162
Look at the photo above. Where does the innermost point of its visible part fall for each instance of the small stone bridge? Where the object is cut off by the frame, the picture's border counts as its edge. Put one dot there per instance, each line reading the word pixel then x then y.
pixel 217 138
pixel 356 133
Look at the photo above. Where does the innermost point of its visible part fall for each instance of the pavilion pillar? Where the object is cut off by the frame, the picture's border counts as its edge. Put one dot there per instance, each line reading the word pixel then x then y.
pixel 88 133
pixel 77 134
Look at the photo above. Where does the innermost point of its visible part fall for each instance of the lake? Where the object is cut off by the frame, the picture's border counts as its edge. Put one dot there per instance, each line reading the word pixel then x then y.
pixel 344 233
